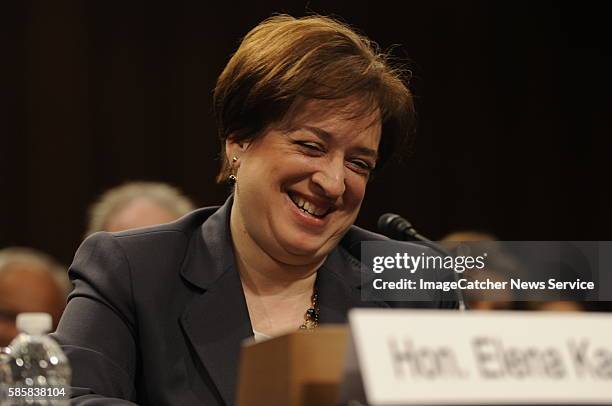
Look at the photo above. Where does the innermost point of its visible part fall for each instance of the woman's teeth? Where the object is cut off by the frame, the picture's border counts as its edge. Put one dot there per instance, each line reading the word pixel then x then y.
pixel 308 207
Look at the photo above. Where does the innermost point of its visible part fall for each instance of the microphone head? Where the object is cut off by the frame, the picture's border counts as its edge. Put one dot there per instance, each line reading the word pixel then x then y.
pixel 393 226
pixel 385 220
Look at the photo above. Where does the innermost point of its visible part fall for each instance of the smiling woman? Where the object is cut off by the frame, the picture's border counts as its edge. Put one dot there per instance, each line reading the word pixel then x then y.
pixel 306 109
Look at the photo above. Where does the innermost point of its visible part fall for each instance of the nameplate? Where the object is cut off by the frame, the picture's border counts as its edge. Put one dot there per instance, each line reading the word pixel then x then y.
pixel 406 357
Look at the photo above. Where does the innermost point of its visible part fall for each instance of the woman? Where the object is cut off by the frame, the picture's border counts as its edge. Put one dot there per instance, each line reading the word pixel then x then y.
pixel 306 110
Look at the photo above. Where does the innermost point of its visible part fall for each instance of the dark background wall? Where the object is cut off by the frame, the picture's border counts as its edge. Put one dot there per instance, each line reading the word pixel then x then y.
pixel 513 98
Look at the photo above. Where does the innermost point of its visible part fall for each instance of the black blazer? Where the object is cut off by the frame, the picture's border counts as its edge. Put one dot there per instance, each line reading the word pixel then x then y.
pixel 157 315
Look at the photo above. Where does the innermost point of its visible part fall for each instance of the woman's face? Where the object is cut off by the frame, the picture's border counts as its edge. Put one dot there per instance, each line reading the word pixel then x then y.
pixel 299 190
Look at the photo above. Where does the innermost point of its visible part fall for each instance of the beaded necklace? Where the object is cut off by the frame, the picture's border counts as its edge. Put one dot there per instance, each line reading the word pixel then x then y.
pixel 311 317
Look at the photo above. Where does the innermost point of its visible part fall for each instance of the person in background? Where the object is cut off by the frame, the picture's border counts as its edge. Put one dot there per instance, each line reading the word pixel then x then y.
pixel 499 267
pixel 555 306
pixel 30 281
pixel 135 205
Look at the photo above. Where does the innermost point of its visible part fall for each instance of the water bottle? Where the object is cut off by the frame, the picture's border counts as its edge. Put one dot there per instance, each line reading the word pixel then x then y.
pixel 40 370
pixel 6 375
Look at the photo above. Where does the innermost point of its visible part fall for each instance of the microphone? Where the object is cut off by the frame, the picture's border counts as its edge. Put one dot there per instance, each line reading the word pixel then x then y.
pixel 396 227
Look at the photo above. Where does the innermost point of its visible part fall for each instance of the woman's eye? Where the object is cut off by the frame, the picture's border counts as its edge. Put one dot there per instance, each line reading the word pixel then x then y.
pixel 311 146
pixel 361 164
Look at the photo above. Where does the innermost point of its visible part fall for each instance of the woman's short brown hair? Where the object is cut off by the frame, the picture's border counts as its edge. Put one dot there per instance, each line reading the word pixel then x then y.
pixel 285 61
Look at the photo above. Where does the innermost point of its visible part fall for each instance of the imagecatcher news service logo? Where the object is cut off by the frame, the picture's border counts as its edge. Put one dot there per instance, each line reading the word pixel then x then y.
pixel 412 263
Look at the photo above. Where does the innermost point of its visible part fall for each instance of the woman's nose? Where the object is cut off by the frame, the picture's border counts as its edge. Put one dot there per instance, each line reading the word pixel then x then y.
pixel 330 179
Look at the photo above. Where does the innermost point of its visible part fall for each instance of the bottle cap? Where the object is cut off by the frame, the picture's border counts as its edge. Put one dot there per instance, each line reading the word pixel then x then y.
pixel 34 323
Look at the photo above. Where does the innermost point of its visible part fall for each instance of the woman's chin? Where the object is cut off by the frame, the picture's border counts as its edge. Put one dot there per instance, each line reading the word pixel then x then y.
pixel 303 250
pixel 305 247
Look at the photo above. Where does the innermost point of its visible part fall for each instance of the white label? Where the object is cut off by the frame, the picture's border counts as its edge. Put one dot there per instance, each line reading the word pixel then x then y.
pixel 446 357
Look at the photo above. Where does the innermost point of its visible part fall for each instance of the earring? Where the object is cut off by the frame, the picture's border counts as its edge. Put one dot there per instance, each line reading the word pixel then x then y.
pixel 231 179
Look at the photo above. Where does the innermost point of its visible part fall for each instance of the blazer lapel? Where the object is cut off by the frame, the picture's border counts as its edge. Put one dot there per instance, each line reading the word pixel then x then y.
pixel 216 321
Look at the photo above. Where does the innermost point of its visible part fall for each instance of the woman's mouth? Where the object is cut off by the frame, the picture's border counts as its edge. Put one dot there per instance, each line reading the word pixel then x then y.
pixel 314 209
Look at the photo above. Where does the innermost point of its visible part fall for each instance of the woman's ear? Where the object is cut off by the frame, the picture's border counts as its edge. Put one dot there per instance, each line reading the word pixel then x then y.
pixel 234 149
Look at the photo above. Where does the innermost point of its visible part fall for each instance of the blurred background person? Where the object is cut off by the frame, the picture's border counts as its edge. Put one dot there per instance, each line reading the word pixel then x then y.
pixel 566 261
pixel 137 204
pixel 30 281
pixel 500 266
pixel 555 306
